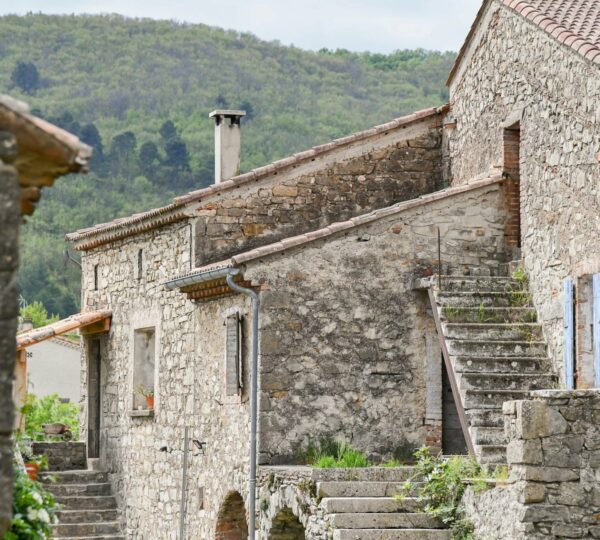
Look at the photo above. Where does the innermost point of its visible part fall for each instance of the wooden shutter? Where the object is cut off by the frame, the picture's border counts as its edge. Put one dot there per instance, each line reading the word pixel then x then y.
pixel 232 355
pixel 596 327
pixel 569 335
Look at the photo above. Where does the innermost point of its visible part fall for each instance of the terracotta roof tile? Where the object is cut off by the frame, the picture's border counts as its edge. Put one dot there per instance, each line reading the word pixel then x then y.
pixel 576 23
pixel 79 320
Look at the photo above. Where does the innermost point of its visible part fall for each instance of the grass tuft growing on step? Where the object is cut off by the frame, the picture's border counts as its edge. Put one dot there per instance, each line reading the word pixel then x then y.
pixel 345 457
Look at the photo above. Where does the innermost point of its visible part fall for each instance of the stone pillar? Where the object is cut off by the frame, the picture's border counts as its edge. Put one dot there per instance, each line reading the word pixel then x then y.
pixel 10 217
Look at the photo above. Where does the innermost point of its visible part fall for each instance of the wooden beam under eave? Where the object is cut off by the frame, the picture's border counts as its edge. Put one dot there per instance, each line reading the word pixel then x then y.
pixel 99 327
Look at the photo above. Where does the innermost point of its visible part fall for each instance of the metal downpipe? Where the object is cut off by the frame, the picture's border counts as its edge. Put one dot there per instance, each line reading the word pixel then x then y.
pixel 253 404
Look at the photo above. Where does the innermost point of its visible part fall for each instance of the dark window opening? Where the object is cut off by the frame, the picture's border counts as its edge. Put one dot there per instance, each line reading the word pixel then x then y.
pixel 512 173
pixel 140 263
pixel 95 277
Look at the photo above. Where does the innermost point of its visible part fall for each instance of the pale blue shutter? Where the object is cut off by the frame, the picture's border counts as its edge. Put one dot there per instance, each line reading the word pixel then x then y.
pixel 596 328
pixel 569 335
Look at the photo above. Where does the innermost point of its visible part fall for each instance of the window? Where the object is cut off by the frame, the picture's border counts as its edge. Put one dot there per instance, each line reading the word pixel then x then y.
pixel 143 369
pixel 512 171
pixel 233 355
pixel 95 277
pixel 140 263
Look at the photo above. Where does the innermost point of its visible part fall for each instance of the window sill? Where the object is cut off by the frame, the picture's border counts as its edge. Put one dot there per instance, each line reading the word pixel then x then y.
pixel 147 413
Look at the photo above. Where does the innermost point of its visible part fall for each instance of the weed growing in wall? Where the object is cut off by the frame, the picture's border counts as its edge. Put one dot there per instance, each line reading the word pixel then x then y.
pixel 444 481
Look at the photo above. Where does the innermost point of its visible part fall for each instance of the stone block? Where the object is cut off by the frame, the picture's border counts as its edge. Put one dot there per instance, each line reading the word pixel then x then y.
pixel 533 493
pixel 543 474
pixel 285 191
pixel 535 419
pixel 524 452
pixel 545 512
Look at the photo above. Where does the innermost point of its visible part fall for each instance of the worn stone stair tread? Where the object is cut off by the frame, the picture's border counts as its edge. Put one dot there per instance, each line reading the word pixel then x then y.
pixel 488 314
pixel 88 502
pixel 504 381
pixel 498 364
pixel 491 399
pixel 360 489
pixel 368 474
pixel 488 435
pixel 68 489
pixel 93 528
pixel 81 476
pixel 385 520
pixel 391 534
pixel 88 515
pixel 93 537
pixel 340 505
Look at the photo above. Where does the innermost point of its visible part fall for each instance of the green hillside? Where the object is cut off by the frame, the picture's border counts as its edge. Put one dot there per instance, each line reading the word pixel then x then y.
pixel 140 91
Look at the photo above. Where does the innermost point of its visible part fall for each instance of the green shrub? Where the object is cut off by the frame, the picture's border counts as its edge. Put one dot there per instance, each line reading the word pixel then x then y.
pixel 443 486
pixel 48 410
pixel 34 510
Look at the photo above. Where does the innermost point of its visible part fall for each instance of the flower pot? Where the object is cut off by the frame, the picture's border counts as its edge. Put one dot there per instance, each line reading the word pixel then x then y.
pixel 32 470
pixel 150 402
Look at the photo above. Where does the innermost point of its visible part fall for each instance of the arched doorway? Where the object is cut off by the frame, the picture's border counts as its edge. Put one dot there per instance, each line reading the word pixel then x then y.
pixel 231 521
pixel 286 526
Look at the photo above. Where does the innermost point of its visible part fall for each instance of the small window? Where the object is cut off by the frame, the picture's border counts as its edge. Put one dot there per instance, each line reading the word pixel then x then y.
pixel 233 355
pixel 140 263
pixel 143 369
pixel 95 277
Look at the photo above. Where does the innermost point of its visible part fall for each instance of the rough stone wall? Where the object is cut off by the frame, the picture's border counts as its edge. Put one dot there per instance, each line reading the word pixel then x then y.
pixel 554 461
pixel 10 218
pixel 516 66
pixel 343 338
pixel 398 166
pixel 189 389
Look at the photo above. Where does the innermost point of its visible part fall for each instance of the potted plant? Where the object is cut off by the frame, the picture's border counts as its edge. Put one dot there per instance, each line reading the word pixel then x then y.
pixel 33 465
pixel 147 393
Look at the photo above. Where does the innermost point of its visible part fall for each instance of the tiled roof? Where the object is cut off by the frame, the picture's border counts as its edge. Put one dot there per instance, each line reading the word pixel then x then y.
pixel 174 210
pixel 575 23
pixel 79 320
pixel 302 239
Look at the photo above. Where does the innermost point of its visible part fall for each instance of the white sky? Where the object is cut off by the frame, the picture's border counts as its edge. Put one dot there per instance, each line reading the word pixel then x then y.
pixel 357 25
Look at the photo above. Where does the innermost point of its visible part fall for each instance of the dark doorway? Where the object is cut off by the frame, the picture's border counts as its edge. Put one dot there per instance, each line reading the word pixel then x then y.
pixel 512 173
pixel 453 439
pixel 231 520
pixel 286 526
pixel 94 361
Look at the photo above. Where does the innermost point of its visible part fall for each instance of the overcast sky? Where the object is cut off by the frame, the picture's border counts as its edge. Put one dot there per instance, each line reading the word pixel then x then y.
pixel 358 25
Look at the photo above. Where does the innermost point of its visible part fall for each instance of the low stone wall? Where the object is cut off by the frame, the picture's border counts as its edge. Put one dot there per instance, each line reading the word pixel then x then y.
pixel 62 456
pixel 553 489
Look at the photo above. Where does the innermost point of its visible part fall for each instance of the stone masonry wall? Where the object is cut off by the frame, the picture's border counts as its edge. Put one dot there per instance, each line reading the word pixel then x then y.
pixel 554 460
pixel 343 339
pixel 397 166
pixel 10 218
pixel 189 389
pixel 517 71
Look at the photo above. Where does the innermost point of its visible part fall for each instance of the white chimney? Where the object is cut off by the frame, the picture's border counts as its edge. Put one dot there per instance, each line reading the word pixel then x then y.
pixel 227 143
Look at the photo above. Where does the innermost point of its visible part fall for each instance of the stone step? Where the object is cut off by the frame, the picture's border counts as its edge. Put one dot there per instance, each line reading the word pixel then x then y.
pixel 102 502
pixel 479 348
pixel 391 534
pixel 479 283
pixel 86 529
pixel 491 399
pixel 404 520
pixel 485 417
pixel 361 489
pixel 368 474
pixel 103 537
pixel 494 331
pixel 71 490
pixel 75 477
pixel 88 516
pixel 505 381
pixel 342 505
pixel 498 364
pixel 484 299
pixel 491 454
pixel 486 435
pixel 488 315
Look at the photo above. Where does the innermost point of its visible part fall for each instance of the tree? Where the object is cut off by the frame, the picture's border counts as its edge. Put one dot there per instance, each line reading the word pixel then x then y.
pixel 36 312
pixel 25 75
pixel 89 134
pixel 168 131
pixel 123 158
pixel 177 155
pixel 149 159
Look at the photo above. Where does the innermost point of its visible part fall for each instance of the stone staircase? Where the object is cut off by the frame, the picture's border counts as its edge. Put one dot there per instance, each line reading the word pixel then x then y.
pixel 496 349
pixel 361 505
pixel 89 510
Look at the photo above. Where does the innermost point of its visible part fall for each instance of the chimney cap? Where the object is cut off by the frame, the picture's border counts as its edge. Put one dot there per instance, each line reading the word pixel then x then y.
pixel 227 113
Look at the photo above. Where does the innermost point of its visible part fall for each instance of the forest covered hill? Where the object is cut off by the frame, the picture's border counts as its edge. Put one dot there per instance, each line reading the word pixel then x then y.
pixel 140 91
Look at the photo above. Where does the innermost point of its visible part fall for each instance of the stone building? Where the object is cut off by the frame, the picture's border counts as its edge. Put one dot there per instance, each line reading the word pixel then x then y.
pixel 32 154
pixel 372 258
